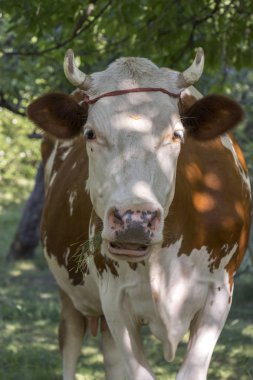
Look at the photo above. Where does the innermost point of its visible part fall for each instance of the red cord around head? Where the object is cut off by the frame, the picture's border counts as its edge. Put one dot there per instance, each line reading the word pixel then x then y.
pixel 87 100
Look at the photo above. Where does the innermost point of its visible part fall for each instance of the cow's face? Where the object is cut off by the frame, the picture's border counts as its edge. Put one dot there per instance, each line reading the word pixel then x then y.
pixel 133 143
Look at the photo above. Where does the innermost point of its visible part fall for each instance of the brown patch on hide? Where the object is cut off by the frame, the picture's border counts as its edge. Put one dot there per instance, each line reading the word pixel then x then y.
pixel 47 146
pixel 214 214
pixel 203 202
pixel 62 230
pixel 239 154
pixel 212 181
pixel 134 266
pixel 66 232
pixel 78 95
pixel 102 263
pixel 185 102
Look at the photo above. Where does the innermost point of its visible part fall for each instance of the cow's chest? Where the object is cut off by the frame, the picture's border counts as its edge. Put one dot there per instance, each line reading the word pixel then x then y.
pixel 165 293
pixel 85 296
pixel 128 285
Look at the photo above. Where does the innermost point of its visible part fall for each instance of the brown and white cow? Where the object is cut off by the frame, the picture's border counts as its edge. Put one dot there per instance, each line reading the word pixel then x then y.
pixel 147 212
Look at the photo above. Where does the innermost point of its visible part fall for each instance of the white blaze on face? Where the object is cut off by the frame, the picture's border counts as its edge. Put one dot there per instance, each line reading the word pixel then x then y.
pixel 134 157
pixel 143 191
pixel 131 122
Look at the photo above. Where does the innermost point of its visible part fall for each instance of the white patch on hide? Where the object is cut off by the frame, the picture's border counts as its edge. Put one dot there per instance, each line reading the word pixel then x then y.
pixel 72 197
pixel 92 230
pixel 66 256
pixel 84 297
pixel 50 163
pixel 66 153
pixel 92 233
pixel 67 143
pixel 181 285
pixel 87 186
pixel 52 179
pixel 227 142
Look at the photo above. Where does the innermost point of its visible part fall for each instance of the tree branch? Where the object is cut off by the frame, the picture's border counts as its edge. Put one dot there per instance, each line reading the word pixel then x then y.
pixel 11 107
pixel 76 32
pixel 195 23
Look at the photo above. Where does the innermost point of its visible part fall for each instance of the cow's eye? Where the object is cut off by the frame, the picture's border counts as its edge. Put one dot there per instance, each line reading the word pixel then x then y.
pixel 89 134
pixel 178 135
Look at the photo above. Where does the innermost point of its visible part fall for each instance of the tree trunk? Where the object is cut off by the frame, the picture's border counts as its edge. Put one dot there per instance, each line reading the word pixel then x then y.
pixel 28 232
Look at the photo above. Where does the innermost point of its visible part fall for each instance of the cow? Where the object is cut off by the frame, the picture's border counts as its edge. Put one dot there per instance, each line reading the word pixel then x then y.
pixel 147 213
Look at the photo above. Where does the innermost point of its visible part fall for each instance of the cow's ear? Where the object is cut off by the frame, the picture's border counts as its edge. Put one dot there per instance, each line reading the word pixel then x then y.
pixel 58 114
pixel 211 116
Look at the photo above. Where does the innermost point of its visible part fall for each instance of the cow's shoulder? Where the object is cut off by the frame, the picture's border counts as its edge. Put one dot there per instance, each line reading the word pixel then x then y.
pixel 60 155
pixel 65 220
pixel 211 205
pixel 71 231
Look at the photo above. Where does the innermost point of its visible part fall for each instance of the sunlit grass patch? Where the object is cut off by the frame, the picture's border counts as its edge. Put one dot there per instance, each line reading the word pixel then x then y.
pixel 29 363
pixel 248 331
pixel 28 323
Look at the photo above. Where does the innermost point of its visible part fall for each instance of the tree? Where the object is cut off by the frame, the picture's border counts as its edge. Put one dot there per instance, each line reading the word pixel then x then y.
pixel 27 235
pixel 35 35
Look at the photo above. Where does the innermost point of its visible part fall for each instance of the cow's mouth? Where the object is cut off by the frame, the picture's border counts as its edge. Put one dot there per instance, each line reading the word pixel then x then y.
pixel 131 250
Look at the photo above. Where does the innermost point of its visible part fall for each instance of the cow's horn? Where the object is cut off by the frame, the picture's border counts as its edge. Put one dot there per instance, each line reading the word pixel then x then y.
pixel 194 72
pixel 73 74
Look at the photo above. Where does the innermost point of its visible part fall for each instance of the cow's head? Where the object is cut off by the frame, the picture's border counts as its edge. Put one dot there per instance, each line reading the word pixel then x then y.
pixel 133 141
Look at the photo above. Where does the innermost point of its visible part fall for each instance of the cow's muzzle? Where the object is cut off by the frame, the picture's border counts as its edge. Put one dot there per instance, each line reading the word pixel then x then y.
pixel 131 232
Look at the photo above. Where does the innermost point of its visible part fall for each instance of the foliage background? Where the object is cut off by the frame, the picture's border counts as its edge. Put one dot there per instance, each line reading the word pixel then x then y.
pixel 34 36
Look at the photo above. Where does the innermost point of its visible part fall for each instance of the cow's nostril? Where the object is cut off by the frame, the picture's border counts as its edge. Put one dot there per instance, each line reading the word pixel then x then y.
pixel 115 219
pixel 154 219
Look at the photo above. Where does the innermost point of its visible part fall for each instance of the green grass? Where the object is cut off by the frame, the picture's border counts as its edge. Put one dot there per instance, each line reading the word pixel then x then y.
pixel 29 307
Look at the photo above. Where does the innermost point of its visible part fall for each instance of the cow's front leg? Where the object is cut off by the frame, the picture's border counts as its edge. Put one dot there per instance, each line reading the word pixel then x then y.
pixel 125 332
pixel 71 332
pixel 130 348
pixel 114 369
pixel 204 333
